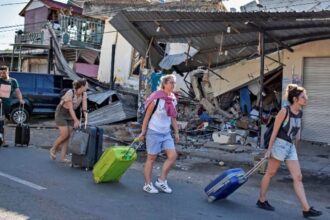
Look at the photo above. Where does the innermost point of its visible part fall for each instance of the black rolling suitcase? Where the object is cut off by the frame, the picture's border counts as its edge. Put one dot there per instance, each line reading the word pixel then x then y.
pixel 22 133
pixel 94 149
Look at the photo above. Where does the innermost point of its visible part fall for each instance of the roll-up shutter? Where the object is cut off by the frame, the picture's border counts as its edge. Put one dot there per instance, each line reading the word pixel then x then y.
pixel 316 117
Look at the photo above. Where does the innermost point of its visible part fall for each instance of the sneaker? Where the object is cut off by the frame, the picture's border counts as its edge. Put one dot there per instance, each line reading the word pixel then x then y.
pixel 162 185
pixel 265 205
pixel 311 213
pixel 150 188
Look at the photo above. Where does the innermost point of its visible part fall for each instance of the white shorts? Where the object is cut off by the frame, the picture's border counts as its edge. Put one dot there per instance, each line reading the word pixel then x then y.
pixel 283 150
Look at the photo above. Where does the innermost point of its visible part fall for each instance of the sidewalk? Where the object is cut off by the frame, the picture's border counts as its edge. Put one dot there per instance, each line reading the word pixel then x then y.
pixel 314 159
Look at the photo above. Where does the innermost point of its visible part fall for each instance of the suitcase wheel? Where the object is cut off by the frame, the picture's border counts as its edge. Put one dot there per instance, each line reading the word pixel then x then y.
pixel 210 199
pixel 96 180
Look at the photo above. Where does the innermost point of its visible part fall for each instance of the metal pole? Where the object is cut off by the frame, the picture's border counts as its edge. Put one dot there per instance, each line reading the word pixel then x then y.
pixel 12 59
pixel 262 70
pixel 50 55
pixel 112 73
pixel 113 54
pixel 20 59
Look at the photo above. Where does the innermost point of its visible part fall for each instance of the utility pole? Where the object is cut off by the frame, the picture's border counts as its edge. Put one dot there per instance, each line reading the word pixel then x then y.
pixel 261 80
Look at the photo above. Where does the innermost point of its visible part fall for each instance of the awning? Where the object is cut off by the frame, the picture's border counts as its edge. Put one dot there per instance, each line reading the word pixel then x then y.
pixel 221 38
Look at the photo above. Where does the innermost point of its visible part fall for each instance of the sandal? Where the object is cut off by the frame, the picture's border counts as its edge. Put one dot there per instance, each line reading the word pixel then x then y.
pixel 52 154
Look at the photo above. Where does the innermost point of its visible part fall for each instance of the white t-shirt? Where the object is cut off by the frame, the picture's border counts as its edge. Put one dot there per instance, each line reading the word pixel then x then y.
pixel 159 121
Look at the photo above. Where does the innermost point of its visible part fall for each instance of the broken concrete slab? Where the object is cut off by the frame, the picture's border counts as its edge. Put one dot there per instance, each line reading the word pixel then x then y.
pixel 243 149
pixel 224 137
pixel 228 148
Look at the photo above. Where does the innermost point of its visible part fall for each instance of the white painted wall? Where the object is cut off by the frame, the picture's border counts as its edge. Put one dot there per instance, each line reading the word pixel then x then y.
pixel 123 59
pixel 247 70
pixel 294 62
pixel 241 73
pixel 38 68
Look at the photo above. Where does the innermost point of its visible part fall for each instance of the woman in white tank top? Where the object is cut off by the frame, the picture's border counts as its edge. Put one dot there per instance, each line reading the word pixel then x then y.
pixel 156 129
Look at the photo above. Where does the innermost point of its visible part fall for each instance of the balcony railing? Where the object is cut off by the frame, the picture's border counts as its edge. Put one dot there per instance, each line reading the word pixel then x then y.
pixel 71 31
pixel 30 38
pixel 81 32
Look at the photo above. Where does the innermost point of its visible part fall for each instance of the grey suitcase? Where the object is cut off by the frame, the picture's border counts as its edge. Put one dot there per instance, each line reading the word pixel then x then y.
pixel 94 149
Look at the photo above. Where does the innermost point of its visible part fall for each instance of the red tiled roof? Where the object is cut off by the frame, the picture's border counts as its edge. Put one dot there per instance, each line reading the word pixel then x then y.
pixel 55 5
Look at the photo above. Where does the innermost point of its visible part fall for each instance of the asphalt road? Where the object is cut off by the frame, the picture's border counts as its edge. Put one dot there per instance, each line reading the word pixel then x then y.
pixel 34 187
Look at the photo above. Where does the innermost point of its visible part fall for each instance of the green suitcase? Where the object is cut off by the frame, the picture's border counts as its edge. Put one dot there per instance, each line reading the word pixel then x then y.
pixel 113 163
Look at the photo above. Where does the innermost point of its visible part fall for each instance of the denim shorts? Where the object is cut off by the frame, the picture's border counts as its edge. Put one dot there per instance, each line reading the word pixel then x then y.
pixel 283 150
pixel 157 142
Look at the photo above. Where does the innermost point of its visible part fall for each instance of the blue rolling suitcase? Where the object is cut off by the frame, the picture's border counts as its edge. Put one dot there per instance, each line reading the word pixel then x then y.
pixel 228 182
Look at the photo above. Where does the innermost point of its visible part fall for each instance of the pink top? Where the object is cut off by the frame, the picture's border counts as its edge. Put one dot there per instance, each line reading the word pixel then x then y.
pixel 169 106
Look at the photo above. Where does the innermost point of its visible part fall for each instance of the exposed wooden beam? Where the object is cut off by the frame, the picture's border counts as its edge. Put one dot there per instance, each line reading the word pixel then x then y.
pixel 272 59
pixel 228 47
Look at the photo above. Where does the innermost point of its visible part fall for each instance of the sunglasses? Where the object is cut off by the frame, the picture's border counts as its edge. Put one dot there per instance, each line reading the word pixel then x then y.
pixel 3 68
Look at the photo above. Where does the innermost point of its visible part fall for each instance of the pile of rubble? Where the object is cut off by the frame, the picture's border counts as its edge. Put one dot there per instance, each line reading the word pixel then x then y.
pixel 219 121
pixel 199 128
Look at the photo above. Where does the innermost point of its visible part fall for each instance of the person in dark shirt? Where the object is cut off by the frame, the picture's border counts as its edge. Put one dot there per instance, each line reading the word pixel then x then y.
pixel 8 86
pixel 282 147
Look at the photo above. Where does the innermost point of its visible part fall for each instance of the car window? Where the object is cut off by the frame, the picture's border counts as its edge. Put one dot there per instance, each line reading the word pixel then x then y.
pixel 45 83
pixel 26 82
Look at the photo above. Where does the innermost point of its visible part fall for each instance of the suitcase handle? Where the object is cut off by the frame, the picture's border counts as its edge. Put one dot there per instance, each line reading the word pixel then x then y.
pixel 256 167
pixel 86 120
pixel 131 147
pixel 20 109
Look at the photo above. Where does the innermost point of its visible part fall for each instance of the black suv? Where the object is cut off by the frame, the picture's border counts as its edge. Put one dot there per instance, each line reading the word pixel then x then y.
pixel 41 93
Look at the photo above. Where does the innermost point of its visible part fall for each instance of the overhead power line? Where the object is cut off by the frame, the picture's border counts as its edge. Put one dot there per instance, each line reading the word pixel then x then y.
pixel 16 3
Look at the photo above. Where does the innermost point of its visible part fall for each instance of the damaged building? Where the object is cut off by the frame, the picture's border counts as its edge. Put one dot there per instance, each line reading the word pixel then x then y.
pixel 235 52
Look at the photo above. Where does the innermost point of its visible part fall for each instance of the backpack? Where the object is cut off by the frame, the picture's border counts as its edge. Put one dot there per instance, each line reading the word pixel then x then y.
pixel 270 128
pixel 63 92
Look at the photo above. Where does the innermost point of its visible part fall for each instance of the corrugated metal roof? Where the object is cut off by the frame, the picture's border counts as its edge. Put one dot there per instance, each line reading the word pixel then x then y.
pixel 207 32
pixel 287 5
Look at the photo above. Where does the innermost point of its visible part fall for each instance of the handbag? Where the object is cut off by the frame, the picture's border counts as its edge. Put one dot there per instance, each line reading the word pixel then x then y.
pixel 79 140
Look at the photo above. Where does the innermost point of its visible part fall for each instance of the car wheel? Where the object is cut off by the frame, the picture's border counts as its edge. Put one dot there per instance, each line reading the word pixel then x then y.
pixel 19 115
